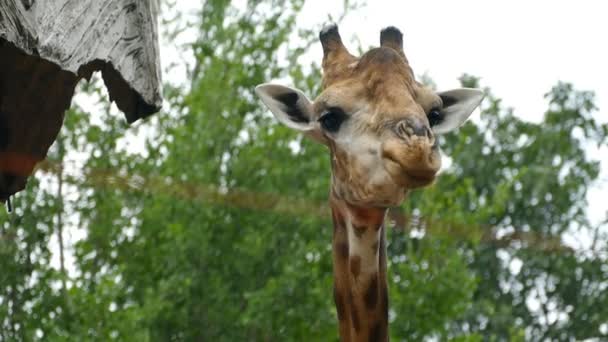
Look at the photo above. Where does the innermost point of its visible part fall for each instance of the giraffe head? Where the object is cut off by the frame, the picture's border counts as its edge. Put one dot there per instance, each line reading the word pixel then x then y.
pixel 379 123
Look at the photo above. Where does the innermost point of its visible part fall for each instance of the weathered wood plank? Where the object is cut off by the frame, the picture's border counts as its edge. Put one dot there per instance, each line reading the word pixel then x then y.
pixel 46 47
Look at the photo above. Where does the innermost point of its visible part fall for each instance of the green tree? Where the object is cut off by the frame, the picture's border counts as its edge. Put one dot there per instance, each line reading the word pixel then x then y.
pixel 219 230
pixel 516 188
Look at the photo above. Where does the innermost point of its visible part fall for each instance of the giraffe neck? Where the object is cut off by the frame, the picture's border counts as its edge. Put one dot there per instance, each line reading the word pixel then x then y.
pixel 360 285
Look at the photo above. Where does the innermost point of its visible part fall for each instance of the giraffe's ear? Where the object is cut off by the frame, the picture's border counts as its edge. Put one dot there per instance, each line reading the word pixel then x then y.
pixel 458 105
pixel 290 106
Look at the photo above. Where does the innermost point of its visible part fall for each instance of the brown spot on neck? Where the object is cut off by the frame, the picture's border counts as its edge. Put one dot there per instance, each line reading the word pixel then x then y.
pixel 371 295
pixel 360 291
pixel 339 300
pixel 355 266
pixel 337 217
pixel 342 249
pixel 366 217
pixel 378 332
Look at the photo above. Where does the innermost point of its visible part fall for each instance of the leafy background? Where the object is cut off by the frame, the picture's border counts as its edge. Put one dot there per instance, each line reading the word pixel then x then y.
pixel 216 228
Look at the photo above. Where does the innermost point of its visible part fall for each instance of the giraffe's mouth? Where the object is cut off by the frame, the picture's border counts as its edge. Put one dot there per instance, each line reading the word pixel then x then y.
pixel 411 165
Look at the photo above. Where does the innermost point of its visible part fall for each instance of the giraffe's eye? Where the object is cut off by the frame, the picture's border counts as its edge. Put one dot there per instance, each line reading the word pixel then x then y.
pixel 434 117
pixel 332 119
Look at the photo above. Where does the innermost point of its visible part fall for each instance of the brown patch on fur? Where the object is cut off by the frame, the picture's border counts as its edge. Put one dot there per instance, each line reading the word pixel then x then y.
pixel 340 309
pixel 355 265
pixel 371 295
pixel 360 298
pixel 342 249
pixel 359 230
pixel 337 218
pixel 367 216
pixel 378 332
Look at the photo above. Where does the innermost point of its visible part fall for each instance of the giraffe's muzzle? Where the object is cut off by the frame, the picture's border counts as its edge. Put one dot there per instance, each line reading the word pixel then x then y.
pixel 412 158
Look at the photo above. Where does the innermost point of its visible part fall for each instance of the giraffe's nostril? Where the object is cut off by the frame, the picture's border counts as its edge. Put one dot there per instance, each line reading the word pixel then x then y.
pixel 414 127
pixel 419 128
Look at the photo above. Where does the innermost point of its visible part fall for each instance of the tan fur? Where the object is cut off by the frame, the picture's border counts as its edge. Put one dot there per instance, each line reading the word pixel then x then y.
pixel 360 289
pixel 379 92
pixel 376 159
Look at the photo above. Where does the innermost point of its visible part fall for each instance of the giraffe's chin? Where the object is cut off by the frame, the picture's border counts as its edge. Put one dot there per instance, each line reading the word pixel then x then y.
pixel 379 195
pixel 394 201
pixel 417 181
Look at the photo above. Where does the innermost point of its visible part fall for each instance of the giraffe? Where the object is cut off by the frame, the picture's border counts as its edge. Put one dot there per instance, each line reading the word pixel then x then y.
pixel 380 126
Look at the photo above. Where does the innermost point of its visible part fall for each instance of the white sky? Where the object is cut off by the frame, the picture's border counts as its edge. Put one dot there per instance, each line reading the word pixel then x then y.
pixel 520 49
